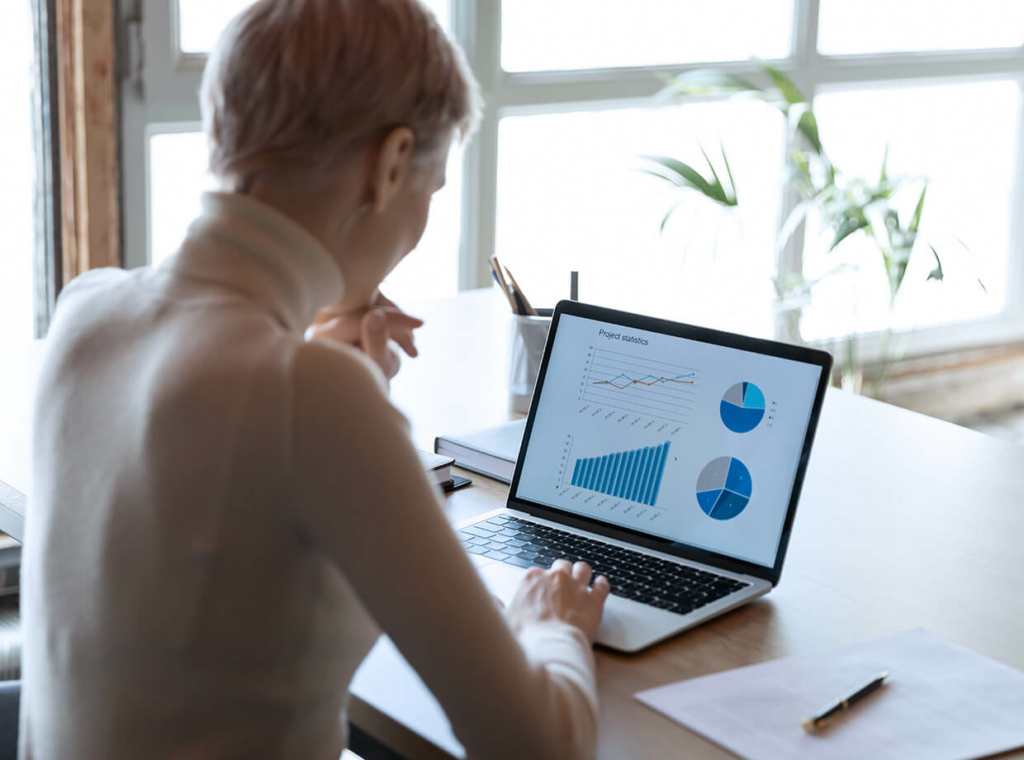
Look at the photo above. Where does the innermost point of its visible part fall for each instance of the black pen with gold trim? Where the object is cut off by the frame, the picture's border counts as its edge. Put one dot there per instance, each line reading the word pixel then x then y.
pixel 827 715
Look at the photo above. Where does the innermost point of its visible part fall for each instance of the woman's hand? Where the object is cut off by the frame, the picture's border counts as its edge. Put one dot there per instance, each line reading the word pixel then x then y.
pixel 561 593
pixel 370 329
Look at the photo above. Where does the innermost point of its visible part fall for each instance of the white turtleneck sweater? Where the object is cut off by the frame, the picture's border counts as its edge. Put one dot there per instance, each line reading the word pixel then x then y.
pixel 225 517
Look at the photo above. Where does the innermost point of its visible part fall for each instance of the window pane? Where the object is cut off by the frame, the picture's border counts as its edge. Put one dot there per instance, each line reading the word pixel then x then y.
pixel 177 162
pixel 883 26
pixel 962 137
pixel 569 197
pixel 177 179
pixel 201 22
pixel 17 157
pixel 541 35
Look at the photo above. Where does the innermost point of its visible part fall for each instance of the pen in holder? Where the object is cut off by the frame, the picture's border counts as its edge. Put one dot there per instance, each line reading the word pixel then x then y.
pixel 528 334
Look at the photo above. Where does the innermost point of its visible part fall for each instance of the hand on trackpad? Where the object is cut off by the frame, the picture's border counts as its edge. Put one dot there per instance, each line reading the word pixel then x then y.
pixel 502 581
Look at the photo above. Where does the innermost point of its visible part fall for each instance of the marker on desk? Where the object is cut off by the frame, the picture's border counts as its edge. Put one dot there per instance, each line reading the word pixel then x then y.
pixel 574 286
pixel 827 715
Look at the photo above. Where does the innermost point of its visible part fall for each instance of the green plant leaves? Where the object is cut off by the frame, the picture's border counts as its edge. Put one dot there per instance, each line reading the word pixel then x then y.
pixel 845 205
pixel 807 125
pixel 786 87
pixel 937 273
pixel 915 220
pixel 685 176
pixel 846 226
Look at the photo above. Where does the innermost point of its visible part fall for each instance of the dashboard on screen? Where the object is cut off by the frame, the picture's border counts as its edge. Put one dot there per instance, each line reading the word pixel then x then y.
pixel 681 439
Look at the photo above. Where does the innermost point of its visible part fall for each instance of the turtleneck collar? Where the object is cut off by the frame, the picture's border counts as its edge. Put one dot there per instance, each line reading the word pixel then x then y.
pixel 250 247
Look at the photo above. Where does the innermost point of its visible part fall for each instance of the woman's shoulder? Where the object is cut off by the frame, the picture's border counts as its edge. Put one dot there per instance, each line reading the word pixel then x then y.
pixel 338 390
pixel 328 368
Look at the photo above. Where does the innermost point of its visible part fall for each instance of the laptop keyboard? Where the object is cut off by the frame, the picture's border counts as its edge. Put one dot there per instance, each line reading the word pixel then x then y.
pixel 633 575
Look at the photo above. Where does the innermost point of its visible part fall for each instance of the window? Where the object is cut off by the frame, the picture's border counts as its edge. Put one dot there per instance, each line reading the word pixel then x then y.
pixel 551 183
pixel 575 177
pixel 541 35
pixel 936 131
pixel 18 192
pixel 880 26
pixel 200 22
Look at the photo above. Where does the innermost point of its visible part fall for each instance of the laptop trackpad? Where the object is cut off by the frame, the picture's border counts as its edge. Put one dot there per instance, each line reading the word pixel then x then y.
pixel 502 580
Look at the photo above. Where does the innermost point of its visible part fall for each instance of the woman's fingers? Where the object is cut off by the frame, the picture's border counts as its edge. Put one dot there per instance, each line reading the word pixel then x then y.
pixel 375 343
pixel 347 328
pixel 560 593
pixel 561 565
pixel 386 303
pixel 401 325
pixel 402 334
pixel 581 572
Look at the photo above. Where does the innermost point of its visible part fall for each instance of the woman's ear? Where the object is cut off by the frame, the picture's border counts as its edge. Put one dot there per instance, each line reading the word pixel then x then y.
pixel 392 167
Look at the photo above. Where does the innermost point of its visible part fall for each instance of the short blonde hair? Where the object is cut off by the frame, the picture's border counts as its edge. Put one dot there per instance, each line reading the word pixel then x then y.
pixel 298 84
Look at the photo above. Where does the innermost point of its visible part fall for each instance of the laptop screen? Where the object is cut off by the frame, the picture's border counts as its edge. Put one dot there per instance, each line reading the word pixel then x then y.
pixel 685 440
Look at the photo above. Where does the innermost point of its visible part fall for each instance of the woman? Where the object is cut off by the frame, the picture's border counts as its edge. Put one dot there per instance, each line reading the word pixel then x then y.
pixel 226 515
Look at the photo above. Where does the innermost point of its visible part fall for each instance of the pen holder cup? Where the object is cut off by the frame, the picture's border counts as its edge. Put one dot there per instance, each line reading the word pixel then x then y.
pixel 527 337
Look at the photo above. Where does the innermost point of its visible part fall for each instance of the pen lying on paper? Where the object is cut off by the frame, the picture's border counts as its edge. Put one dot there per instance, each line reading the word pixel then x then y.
pixel 827 715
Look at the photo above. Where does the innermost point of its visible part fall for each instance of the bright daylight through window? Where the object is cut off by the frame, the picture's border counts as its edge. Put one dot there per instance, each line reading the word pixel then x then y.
pixel 553 182
pixel 17 157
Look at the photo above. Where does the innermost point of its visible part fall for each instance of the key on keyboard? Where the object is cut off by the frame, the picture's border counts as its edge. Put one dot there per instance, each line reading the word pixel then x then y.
pixel 633 575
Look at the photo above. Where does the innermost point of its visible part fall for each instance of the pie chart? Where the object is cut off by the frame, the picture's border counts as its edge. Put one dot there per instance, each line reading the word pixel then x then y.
pixel 742 407
pixel 723 488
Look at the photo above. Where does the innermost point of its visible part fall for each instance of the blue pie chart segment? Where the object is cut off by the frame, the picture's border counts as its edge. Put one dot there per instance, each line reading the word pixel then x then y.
pixel 742 407
pixel 724 488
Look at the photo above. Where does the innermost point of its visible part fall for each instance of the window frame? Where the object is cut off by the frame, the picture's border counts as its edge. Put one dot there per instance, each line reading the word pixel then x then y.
pixel 48 274
pixel 165 94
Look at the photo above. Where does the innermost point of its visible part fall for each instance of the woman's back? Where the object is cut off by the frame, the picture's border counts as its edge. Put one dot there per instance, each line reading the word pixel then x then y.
pixel 161 534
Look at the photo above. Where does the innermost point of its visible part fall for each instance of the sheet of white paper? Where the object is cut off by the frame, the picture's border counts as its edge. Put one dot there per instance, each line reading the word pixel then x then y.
pixel 942 702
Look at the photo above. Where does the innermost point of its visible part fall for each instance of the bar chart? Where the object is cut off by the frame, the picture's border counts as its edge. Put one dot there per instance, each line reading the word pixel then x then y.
pixel 634 475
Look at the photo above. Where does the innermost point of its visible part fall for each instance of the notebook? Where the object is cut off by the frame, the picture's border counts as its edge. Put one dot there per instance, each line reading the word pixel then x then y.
pixel 942 702
pixel 490 452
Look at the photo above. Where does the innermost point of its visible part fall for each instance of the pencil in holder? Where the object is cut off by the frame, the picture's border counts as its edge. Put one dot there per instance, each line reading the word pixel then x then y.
pixel 527 335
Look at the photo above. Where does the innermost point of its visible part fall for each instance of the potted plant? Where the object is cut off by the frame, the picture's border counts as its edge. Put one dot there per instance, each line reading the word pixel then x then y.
pixel 844 205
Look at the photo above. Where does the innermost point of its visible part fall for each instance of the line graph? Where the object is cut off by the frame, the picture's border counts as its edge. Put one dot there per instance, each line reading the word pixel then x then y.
pixel 639 385
pixel 643 380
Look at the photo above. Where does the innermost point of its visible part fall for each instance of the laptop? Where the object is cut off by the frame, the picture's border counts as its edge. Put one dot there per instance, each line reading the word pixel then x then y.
pixel 669 457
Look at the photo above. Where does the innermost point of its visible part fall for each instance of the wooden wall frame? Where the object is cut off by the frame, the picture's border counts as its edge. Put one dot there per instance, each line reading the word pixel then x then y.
pixel 88 127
